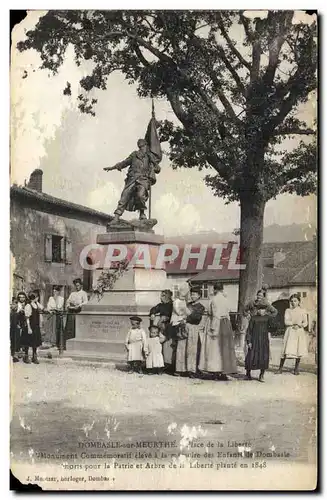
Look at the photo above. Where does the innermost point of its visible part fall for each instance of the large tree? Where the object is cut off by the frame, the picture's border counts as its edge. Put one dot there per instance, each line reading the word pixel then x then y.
pixel 234 82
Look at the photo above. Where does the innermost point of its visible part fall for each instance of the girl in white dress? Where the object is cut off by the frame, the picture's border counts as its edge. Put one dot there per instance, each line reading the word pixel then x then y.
pixel 295 338
pixel 154 358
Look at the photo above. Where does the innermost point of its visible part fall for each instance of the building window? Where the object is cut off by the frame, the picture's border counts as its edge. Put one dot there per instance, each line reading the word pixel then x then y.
pixel 304 294
pixel 204 291
pixel 58 249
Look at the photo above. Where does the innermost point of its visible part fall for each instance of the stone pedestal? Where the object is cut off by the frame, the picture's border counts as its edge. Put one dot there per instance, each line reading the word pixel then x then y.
pixel 102 326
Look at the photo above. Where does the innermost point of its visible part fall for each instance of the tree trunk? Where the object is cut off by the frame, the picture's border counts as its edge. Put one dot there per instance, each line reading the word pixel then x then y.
pixel 251 232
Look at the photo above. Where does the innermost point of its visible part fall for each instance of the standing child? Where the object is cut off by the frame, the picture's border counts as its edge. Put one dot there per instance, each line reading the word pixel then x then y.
pixel 154 358
pixel 135 345
pixel 295 338
pixel 257 340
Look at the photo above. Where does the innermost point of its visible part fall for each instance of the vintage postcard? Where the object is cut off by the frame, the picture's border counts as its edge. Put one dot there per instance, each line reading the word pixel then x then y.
pixel 163 314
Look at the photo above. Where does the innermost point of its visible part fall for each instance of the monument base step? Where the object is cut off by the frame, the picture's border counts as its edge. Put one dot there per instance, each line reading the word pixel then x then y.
pixel 108 358
pixel 102 347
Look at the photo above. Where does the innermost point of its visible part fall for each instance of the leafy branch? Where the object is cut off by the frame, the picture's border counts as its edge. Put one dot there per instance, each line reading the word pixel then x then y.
pixel 109 277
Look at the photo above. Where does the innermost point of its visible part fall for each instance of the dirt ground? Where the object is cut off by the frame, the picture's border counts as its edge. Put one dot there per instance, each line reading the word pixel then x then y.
pixel 54 404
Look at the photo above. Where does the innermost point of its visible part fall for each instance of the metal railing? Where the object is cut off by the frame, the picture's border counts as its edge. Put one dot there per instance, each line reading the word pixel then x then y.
pixel 60 318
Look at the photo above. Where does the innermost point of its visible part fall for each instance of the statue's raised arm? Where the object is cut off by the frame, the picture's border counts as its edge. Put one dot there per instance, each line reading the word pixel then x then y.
pixel 120 165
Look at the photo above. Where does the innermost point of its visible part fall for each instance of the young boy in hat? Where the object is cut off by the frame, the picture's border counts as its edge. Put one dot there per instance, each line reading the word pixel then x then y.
pixel 135 345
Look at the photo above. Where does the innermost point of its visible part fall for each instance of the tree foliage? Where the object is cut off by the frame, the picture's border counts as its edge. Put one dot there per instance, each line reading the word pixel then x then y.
pixel 234 83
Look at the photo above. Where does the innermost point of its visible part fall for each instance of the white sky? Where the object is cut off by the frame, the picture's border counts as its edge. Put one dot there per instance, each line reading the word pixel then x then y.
pixel 72 148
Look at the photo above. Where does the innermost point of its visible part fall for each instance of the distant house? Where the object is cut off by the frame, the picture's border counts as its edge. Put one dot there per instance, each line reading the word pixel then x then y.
pixel 176 274
pixel 46 238
pixel 287 268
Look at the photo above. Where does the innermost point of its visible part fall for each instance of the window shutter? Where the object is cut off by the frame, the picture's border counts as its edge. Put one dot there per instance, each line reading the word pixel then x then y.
pixel 62 250
pixel 69 251
pixel 48 248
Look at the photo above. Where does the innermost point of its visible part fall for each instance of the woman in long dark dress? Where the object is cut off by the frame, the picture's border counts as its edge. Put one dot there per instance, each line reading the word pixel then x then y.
pixel 257 338
pixel 193 328
pixel 160 316
pixel 17 324
pixel 31 336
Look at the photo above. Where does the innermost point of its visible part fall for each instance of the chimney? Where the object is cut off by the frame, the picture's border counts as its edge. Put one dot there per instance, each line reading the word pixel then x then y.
pixel 35 181
pixel 278 258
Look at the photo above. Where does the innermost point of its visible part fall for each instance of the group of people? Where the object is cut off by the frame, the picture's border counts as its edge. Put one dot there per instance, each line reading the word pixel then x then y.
pixel 257 339
pixel 25 312
pixel 185 339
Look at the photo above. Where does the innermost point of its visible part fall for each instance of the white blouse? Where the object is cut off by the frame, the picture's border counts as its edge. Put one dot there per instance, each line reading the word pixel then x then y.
pixel 77 298
pixel 219 306
pixel 296 316
pixel 55 303
pixel 28 309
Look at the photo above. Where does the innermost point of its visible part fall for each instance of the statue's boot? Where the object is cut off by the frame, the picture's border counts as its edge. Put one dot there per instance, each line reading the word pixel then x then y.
pixel 142 215
pixel 116 218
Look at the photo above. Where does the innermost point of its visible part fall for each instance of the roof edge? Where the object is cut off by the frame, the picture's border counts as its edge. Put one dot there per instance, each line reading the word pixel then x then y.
pixel 48 199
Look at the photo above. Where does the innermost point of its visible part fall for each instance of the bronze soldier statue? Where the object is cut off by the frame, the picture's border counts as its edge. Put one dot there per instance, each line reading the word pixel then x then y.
pixel 143 167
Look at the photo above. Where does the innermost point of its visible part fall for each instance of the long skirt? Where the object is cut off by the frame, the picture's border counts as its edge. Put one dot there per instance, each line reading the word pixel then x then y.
pixel 257 358
pixel 17 328
pixel 180 362
pixel 33 339
pixel 169 347
pixel 15 333
pixel 59 326
pixel 295 343
pixel 169 351
pixel 192 347
pixel 217 350
pixel 50 329
pixel 70 327
pixel 187 350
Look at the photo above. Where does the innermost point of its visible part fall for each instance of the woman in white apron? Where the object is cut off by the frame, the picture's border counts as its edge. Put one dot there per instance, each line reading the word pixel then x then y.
pixel 295 338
